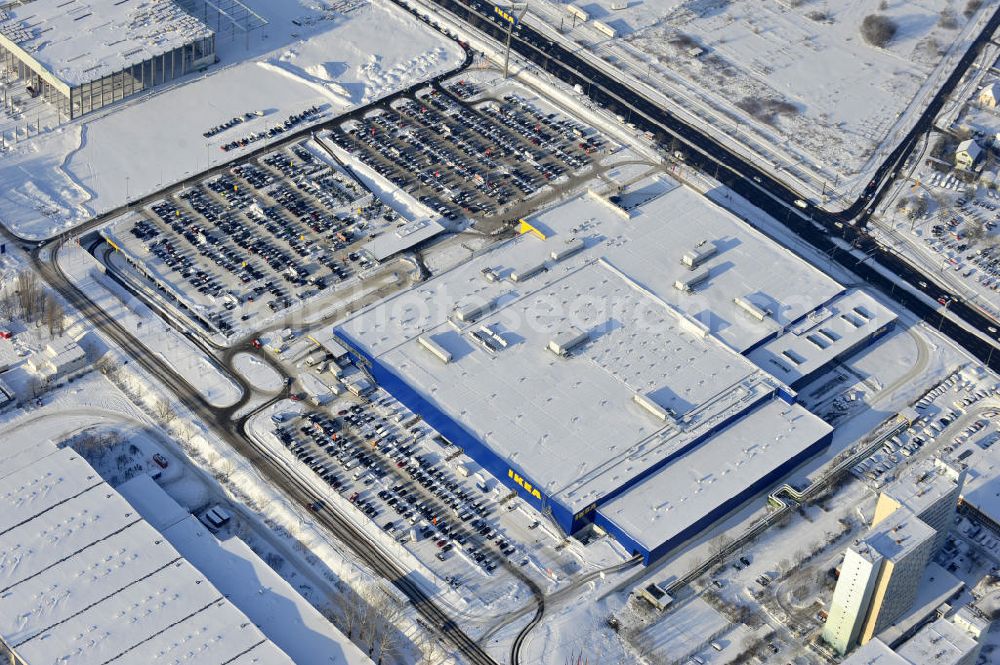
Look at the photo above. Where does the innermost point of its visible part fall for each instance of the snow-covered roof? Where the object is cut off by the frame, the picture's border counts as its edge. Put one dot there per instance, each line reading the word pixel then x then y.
pixel 269 601
pixel 823 336
pixel 403 238
pixel 969 146
pixel 83 40
pixel 875 652
pixel 898 535
pixel 697 485
pixel 646 340
pixel 325 338
pixel 982 481
pixel 84 579
pixel 921 484
pixel 939 643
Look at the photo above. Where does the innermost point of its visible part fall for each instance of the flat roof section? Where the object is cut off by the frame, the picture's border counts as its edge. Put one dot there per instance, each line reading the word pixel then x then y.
pixel 46 482
pixel 85 579
pixel 823 336
pixel 570 422
pixel 216 634
pixel 697 486
pixel 122 622
pixel 83 40
pixel 923 483
pixel 403 237
pixel 34 604
pixel 651 245
pixel 939 643
pixel 875 652
pixel 267 599
pixel 898 535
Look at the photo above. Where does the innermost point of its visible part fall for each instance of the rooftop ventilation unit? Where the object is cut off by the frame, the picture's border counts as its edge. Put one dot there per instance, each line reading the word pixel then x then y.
pixel 651 406
pixel 688 284
pixel 751 309
pixel 563 343
pixel 435 348
pixel 702 252
pixel 469 313
pixel 527 272
pixel 569 249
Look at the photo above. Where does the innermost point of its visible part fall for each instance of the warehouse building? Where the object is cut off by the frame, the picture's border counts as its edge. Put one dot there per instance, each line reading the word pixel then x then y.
pixel 82 55
pixel 591 385
pixel 946 641
pixel 85 579
pixel 822 338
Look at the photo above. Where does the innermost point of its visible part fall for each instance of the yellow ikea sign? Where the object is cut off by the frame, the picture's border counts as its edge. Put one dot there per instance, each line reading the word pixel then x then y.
pixel 524 484
pixel 510 18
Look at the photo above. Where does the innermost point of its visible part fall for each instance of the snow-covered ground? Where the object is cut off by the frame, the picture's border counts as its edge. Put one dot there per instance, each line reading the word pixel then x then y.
pixel 256 372
pixel 797 87
pixel 305 56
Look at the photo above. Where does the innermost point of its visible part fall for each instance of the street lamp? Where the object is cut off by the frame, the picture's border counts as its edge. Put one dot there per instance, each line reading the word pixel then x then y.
pixel 989 356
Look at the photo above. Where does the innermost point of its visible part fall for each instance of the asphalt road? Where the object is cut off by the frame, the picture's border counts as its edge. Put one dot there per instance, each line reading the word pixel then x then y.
pixel 232 432
pixel 701 151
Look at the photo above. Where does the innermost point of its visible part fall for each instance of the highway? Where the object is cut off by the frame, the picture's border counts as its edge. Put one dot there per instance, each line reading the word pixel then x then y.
pixel 837 229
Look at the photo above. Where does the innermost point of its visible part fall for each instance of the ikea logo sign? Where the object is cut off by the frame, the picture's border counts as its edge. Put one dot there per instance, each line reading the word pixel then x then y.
pixel 510 18
pixel 524 484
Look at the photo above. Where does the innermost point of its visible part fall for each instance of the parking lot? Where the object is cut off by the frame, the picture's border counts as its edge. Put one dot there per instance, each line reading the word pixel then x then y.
pixel 956 235
pixel 481 160
pixel 940 409
pixel 247 244
pixel 407 480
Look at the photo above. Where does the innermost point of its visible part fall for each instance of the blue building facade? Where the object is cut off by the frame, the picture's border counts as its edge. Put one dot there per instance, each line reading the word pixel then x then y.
pixel 521 481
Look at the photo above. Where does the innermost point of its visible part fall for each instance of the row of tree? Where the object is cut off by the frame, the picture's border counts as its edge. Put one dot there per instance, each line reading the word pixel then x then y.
pixel 25 299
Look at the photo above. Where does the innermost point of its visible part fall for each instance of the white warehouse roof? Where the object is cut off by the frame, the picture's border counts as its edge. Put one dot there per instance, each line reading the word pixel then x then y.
pixel 268 600
pixel 403 237
pixel 694 487
pixel 84 579
pixel 823 336
pixel 83 40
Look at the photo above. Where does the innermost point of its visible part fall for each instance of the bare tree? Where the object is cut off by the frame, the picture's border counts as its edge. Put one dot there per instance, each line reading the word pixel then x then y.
pixel 28 295
pixel 35 386
pixel 975 230
pixel 54 315
pixel 719 544
pixel 163 411
pixel 385 638
pixel 352 613
pixel 370 618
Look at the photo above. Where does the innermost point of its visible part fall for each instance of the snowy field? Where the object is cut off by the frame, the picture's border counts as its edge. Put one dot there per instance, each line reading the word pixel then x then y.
pixel 304 57
pixel 799 86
